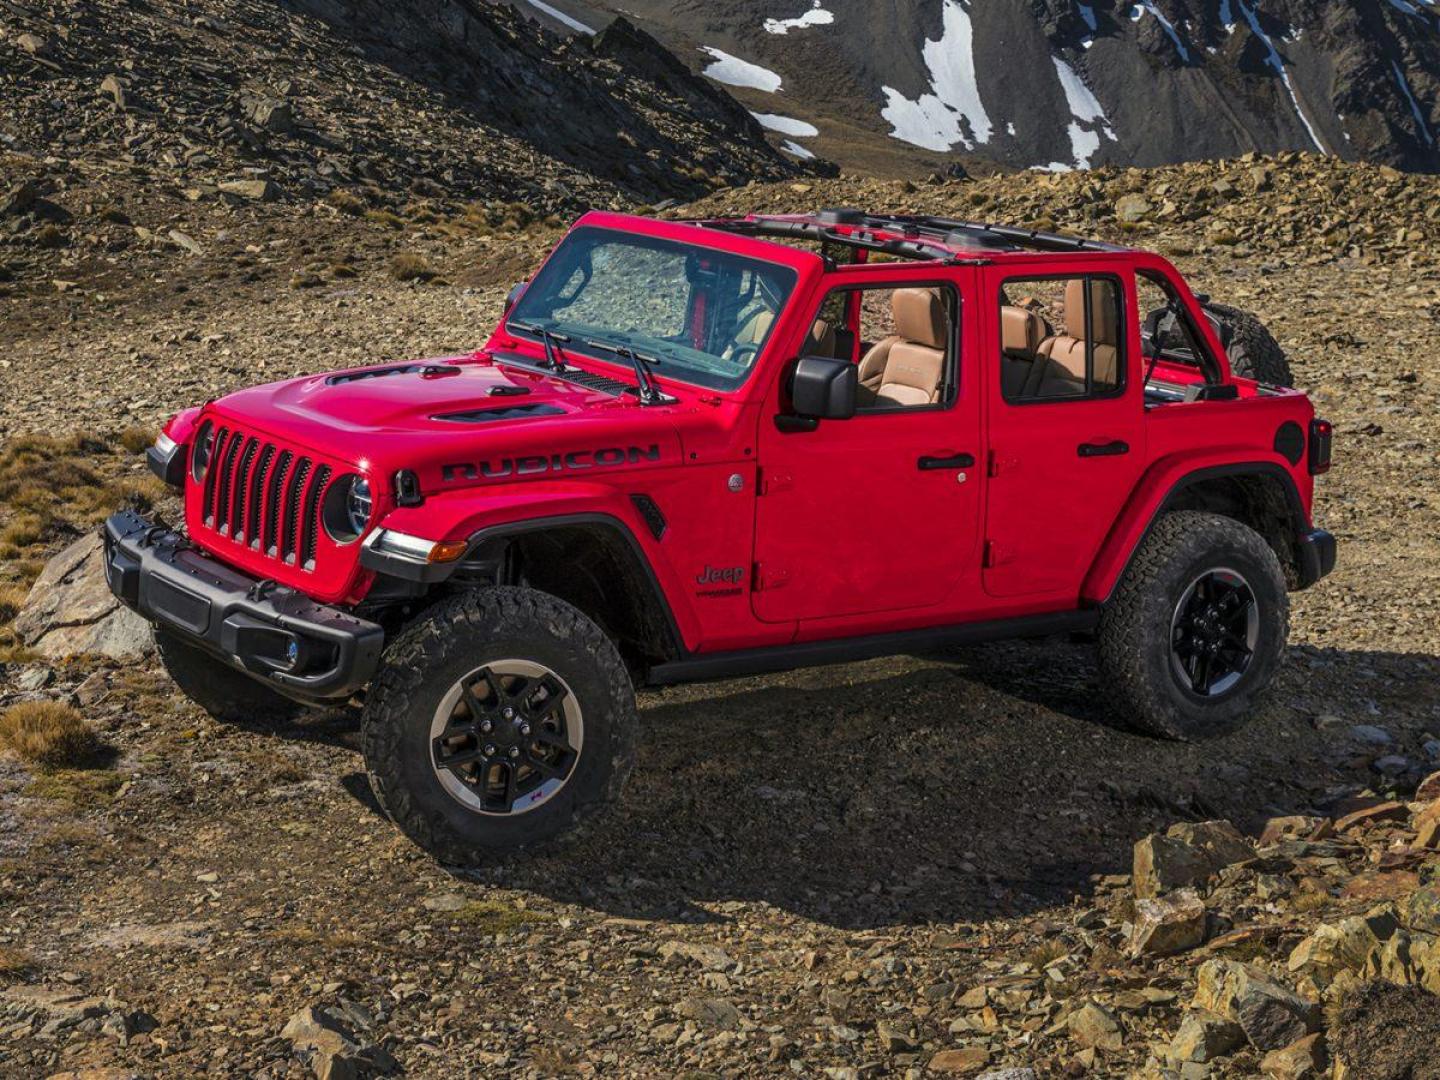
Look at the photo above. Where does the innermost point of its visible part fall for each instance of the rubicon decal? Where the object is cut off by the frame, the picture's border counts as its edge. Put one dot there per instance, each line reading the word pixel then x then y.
pixel 534 464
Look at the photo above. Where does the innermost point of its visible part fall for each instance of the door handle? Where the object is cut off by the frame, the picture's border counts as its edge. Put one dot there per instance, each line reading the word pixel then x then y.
pixel 954 461
pixel 1113 448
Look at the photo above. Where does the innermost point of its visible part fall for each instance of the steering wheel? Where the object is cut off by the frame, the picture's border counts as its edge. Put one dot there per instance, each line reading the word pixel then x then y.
pixel 742 353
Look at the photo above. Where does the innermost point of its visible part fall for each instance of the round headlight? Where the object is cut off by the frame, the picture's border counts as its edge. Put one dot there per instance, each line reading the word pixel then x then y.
pixel 357 506
pixel 347 508
pixel 204 448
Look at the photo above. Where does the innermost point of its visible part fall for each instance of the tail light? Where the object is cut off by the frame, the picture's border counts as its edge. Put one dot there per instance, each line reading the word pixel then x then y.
pixel 1320 435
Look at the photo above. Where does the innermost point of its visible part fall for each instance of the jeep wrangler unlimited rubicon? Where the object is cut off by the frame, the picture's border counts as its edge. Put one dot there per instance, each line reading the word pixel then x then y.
pixel 694 450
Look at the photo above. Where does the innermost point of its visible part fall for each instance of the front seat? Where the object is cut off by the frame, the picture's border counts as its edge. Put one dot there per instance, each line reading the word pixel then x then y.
pixel 1065 374
pixel 905 369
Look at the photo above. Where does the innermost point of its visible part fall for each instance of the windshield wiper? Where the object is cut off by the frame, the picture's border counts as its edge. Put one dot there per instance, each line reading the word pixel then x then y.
pixel 549 338
pixel 648 389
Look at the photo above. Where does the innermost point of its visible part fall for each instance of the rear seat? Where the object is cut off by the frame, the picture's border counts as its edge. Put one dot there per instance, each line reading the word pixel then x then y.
pixel 1021 333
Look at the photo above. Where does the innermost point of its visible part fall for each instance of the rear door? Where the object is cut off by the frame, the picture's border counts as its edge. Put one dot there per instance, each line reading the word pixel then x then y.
pixel 1066 422
pixel 879 512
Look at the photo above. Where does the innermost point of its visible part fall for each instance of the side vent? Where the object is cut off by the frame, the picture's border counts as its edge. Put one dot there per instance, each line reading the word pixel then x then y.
pixel 512 412
pixel 654 519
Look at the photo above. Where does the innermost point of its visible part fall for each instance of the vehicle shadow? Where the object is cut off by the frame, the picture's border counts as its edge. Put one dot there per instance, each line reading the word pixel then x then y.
pixel 978 783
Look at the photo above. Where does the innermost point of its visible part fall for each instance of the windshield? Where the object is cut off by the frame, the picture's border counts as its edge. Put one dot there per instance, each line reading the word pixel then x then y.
pixel 699 315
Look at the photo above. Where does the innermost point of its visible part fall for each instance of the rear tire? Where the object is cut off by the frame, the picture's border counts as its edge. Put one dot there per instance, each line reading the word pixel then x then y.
pixel 1253 351
pixel 500 719
pixel 223 692
pixel 1195 632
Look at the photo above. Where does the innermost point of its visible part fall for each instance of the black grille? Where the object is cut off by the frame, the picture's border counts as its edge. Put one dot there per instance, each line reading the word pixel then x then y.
pixel 264 497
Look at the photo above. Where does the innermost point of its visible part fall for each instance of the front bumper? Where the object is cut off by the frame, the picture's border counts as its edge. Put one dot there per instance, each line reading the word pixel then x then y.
pixel 299 648
pixel 1314 556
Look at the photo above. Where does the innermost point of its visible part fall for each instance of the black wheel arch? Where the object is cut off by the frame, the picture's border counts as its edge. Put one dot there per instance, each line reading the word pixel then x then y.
pixel 1260 494
pixel 593 561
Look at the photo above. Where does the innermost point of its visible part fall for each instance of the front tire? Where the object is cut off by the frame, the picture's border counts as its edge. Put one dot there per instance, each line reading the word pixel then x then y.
pixel 226 694
pixel 499 720
pixel 1196 630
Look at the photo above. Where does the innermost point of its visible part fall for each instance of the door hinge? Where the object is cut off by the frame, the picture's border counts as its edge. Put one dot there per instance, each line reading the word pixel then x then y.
pixel 995 555
pixel 763 577
pixel 771 482
pixel 995 464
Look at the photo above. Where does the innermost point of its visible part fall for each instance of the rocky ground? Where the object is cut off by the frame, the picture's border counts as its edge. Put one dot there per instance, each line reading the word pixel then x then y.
pixel 969 869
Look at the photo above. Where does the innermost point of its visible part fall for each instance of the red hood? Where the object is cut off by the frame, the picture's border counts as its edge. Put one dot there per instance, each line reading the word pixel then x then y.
pixel 412 416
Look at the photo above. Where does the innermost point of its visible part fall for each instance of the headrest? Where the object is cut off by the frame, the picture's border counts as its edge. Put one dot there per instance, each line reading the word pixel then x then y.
pixel 1021 331
pixel 920 316
pixel 1103 308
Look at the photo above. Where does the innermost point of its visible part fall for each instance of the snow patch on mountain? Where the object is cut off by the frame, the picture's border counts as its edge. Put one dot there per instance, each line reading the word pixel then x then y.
pixel 1148 7
pixel 1404 84
pixel 732 71
pixel 934 120
pixel 560 17
pixel 790 146
pixel 786 125
pixel 1088 121
pixel 816 16
pixel 1277 64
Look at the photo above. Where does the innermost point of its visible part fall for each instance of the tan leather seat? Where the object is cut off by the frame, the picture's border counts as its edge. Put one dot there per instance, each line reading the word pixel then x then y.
pixel 751 332
pixel 1021 333
pixel 1066 351
pixel 906 368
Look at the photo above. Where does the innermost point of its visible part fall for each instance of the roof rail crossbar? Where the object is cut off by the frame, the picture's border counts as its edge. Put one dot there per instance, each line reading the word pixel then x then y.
pixel 1031 238
pixel 915 249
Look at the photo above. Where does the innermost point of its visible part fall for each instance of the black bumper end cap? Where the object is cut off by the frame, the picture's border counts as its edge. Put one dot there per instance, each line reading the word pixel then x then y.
pixel 1315 553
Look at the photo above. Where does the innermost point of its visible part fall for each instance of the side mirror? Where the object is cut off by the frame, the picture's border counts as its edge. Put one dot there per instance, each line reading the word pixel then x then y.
pixel 824 388
pixel 513 297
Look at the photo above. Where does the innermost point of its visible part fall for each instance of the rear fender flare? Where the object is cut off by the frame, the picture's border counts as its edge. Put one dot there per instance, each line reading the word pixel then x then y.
pixel 1157 491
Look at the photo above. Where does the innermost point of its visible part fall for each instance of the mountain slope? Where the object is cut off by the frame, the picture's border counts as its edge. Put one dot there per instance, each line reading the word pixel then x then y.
pixel 430 96
pixel 1064 84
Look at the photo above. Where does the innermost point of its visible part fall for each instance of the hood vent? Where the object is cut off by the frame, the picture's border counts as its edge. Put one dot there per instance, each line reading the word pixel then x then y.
pixel 431 370
pixel 514 412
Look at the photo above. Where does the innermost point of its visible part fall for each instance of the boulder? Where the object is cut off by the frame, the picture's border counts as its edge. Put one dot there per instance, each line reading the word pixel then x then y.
pixel 1422 910
pixel 1203 1037
pixel 336 1051
pixel 1303 1059
pixel 1186 854
pixel 1429 788
pixel 1095 1026
pixel 1168 924
pixel 1345 945
pixel 71 609
pixel 1132 208
pixel 710 1012
pixel 1385 811
pixel 1270 1013
pixel 254 190
pixel 964 1060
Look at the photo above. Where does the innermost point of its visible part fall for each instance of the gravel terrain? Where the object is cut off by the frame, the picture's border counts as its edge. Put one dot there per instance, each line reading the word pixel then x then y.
pixel 911 866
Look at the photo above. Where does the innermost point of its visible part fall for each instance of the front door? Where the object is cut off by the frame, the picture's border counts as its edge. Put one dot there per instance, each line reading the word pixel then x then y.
pixel 879 512
pixel 1066 425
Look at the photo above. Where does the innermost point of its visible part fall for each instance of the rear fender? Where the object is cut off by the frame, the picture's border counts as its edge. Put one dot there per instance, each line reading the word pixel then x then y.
pixel 477 515
pixel 1161 485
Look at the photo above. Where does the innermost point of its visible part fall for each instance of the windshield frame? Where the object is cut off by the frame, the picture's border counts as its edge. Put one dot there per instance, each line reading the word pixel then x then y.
pixel 666 356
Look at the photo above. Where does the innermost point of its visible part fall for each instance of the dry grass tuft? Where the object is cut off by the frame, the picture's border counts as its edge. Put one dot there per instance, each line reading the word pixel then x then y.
pixel 408 266
pixel 12 599
pixel 137 439
pixel 77 787
pixel 496 917
pixel 50 734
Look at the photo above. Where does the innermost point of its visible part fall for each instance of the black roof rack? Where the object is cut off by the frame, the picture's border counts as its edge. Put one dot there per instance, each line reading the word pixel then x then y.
pixel 915 248
pixel 986 234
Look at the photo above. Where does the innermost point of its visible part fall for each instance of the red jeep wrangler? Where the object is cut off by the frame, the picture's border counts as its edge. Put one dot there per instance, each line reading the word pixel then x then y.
pixel 708 449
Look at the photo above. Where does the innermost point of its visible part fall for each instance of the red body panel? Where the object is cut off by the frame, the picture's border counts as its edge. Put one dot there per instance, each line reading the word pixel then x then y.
pixel 774 537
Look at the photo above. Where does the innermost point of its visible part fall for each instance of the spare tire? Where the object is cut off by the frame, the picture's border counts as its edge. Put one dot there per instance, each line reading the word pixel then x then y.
pixel 1253 351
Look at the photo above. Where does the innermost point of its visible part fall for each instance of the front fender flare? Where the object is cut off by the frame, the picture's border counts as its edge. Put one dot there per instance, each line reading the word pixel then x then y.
pixel 481 515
